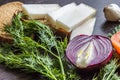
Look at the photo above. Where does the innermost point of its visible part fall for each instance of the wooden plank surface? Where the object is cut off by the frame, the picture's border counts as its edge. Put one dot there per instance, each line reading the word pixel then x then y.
pixel 101 27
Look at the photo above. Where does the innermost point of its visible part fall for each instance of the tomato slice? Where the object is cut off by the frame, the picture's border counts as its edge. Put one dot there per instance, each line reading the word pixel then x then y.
pixel 115 39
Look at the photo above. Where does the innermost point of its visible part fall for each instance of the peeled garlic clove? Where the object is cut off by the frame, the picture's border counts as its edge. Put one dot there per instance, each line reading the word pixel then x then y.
pixel 112 12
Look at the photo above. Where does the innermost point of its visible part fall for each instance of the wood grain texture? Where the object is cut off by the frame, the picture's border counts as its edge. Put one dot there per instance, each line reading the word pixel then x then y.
pixel 101 27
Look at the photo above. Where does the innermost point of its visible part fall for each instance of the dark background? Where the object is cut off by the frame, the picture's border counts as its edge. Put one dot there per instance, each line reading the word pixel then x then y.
pixel 102 27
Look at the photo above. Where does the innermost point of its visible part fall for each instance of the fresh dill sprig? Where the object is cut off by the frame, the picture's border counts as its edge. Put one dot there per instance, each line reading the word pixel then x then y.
pixel 115 30
pixel 36 49
pixel 108 72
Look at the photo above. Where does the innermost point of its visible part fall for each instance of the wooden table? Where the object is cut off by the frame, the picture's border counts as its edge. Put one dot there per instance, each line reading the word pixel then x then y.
pixel 101 27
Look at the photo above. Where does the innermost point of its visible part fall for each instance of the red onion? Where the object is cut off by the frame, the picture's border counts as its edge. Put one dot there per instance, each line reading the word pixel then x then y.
pixel 89 51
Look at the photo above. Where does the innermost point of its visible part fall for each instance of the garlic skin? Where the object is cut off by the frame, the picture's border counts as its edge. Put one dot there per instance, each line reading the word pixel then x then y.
pixel 112 12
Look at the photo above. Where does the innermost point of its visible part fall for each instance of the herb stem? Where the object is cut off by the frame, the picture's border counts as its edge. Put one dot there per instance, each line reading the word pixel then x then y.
pixel 49 51
pixel 50 73
pixel 61 65
pixel 112 72
pixel 62 69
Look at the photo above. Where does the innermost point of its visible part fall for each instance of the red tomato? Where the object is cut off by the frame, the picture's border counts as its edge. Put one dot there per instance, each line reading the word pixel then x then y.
pixel 115 39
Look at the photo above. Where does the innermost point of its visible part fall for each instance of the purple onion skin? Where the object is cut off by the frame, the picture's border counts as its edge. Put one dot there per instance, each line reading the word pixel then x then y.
pixel 91 66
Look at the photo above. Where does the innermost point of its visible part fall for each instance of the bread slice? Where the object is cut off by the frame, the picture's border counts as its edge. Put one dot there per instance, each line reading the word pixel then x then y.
pixel 7 12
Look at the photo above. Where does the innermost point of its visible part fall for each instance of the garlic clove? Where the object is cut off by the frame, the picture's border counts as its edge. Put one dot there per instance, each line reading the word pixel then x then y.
pixel 112 12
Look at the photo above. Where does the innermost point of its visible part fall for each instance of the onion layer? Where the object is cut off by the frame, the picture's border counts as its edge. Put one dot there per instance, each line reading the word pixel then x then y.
pixel 89 51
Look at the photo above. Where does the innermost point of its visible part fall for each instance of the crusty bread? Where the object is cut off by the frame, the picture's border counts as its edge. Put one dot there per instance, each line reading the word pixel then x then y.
pixel 7 12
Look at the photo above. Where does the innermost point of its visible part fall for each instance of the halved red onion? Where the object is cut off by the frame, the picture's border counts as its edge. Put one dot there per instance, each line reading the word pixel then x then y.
pixel 89 51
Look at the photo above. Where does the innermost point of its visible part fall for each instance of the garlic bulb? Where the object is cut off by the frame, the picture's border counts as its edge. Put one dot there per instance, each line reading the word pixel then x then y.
pixel 112 12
